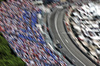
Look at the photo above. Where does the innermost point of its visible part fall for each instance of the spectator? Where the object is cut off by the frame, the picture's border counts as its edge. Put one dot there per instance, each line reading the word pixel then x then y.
pixel 20 17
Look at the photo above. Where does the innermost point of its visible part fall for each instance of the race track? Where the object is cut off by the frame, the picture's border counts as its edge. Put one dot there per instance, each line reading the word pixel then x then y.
pixel 60 36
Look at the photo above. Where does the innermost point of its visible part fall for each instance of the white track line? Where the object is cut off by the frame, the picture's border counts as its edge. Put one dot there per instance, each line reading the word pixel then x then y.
pixel 57 41
pixel 62 40
pixel 66 40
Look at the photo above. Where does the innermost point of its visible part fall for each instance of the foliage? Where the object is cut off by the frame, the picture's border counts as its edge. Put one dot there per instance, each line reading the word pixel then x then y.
pixel 6 56
pixel 1 0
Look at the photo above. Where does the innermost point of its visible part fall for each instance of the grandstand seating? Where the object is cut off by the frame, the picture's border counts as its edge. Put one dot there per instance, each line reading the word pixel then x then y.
pixel 18 25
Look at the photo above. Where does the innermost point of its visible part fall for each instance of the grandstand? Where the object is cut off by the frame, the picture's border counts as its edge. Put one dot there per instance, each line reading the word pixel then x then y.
pixel 18 21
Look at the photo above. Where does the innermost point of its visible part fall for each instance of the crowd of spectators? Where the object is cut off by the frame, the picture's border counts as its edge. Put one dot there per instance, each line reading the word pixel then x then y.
pixel 86 24
pixel 18 21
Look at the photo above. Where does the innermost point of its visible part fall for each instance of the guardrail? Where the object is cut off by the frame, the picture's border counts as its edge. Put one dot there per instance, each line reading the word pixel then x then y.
pixel 49 31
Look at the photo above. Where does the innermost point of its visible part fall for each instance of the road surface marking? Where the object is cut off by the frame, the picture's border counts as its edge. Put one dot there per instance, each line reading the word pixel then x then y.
pixel 62 40
pixel 66 40
pixel 57 41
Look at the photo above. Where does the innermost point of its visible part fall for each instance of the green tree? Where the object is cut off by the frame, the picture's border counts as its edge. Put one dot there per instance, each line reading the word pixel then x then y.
pixel 6 56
